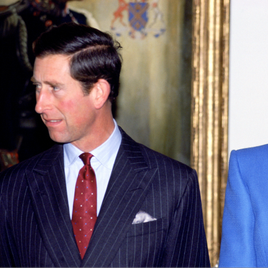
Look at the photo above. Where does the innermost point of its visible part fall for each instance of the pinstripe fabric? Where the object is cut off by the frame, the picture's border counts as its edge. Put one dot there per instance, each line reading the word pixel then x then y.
pixel 36 230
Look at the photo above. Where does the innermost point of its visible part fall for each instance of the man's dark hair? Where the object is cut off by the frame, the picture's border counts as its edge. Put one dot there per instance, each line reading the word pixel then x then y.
pixel 94 54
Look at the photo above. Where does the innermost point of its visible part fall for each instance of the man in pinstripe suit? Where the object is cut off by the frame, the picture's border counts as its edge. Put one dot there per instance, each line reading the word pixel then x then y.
pixel 149 209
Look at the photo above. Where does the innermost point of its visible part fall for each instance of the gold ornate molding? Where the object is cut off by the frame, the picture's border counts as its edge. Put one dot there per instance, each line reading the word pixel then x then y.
pixel 209 138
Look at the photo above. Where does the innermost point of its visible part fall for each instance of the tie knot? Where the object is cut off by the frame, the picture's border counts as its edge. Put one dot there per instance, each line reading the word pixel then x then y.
pixel 86 158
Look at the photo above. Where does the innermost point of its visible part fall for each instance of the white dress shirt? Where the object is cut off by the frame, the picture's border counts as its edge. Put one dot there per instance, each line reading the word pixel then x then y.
pixel 102 162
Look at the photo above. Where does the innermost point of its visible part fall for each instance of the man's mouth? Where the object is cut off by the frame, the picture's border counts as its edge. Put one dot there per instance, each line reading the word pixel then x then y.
pixel 53 121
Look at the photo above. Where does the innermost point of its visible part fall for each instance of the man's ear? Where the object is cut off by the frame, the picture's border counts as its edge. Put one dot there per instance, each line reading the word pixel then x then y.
pixel 102 92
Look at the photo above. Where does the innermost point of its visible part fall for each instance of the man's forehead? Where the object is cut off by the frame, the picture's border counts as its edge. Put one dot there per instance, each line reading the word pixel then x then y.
pixel 51 69
pixel 55 62
pixel 63 57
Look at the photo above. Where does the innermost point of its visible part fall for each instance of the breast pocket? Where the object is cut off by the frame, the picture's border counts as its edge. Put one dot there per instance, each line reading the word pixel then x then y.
pixel 146 228
pixel 144 243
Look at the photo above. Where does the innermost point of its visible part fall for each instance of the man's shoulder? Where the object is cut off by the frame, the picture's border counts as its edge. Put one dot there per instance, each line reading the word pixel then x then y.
pixel 14 180
pixel 156 156
pixel 166 174
pixel 31 163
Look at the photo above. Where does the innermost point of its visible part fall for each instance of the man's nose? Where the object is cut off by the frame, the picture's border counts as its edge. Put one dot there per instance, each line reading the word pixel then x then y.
pixel 42 101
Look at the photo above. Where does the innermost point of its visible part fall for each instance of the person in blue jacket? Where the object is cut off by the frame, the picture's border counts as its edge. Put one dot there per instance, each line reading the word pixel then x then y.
pixel 245 218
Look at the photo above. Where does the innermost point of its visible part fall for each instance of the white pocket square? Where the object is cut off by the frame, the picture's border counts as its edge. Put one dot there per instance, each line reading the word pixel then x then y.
pixel 142 217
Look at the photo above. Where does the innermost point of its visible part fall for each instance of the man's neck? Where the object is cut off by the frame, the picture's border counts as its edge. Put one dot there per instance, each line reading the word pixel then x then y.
pixel 97 137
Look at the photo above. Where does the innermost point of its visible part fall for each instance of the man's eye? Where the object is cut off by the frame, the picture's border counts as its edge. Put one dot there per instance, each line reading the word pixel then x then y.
pixel 37 87
pixel 55 89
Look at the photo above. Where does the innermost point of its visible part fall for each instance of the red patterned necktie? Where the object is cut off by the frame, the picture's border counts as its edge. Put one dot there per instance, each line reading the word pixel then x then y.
pixel 85 205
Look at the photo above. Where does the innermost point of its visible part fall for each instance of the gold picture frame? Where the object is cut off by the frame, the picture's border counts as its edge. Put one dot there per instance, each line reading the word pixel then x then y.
pixel 209 120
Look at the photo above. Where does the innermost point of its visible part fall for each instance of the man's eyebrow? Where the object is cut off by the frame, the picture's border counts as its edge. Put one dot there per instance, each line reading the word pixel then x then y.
pixel 52 83
pixel 33 79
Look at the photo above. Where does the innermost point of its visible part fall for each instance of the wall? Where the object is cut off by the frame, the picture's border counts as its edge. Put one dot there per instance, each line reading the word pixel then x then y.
pixel 248 97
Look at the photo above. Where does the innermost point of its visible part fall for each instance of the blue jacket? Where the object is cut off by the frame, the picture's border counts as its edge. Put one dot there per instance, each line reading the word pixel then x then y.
pixel 245 218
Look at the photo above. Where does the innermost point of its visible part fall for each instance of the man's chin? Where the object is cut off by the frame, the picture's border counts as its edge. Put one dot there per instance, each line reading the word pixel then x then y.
pixel 58 139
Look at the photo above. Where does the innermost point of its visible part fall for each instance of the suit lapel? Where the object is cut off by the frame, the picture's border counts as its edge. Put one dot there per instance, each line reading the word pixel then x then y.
pixel 125 194
pixel 48 189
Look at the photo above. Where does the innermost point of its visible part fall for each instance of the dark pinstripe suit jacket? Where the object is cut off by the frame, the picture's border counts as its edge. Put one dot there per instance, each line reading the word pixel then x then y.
pixel 36 229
